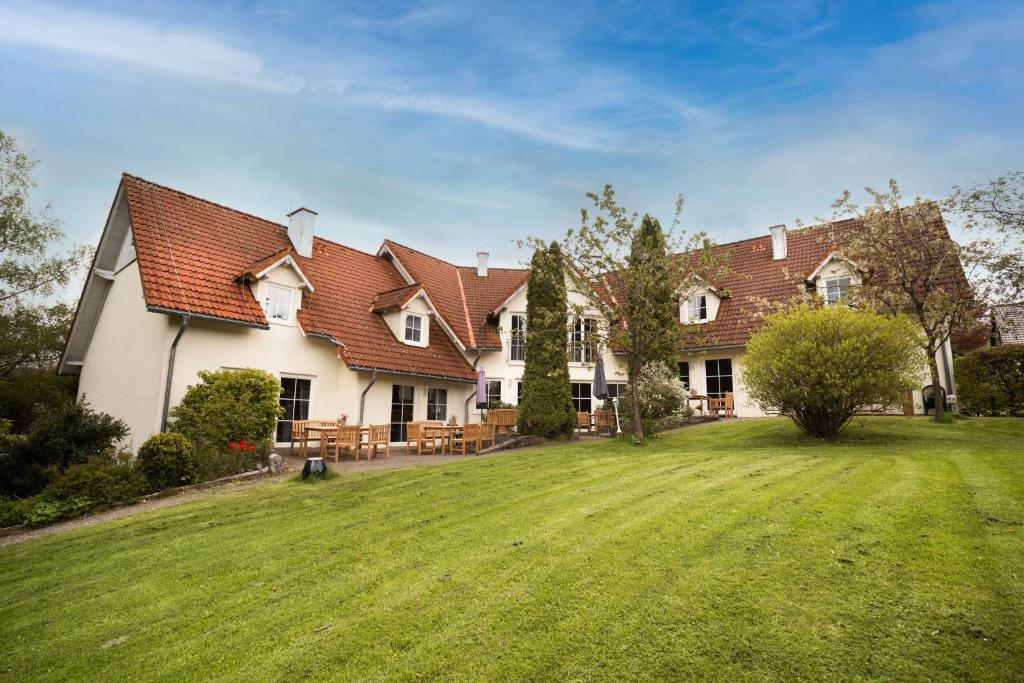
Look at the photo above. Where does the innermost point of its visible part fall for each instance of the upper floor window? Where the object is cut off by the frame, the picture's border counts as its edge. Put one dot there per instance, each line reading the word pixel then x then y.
pixel 278 303
pixel 517 340
pixel 413 328
pixel 582 341
pixel 836 289
pixel 697 311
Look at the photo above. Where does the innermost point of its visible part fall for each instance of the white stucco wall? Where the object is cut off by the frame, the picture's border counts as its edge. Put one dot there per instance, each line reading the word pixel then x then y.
pixel 123 369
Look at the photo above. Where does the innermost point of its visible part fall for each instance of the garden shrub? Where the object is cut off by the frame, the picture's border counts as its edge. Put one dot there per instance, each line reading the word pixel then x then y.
pixel 990 380
pixel 229 405
pixel 214 462
pixel 168 460
pixel 821 365
pixel 61 436
pixel 662 396
pixel 102 481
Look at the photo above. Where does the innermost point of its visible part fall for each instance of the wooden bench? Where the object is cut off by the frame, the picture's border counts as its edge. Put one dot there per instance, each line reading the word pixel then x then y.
pixel 504 419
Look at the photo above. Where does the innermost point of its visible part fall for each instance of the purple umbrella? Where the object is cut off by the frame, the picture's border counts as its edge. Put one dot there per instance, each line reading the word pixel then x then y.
pixel 481 389
pixel 600 383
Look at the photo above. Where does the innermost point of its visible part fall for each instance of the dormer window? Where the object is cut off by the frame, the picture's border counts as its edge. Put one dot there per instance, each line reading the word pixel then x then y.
pixel 278 303
pixel 413 328
pixel 698 309
pixel 836 289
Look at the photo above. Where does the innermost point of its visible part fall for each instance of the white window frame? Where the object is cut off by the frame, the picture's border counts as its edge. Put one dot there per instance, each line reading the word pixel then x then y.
pixel 271 287
pixel 427 403
pixel 312 395
pixel 422 341
pixel 512 337
pixel 693 307
pixel 841 292
pixel 578 342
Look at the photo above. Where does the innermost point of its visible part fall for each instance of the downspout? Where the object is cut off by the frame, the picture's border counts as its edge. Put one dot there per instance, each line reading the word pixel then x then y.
pixel 465 419
pixel 362 396
pixel 170 370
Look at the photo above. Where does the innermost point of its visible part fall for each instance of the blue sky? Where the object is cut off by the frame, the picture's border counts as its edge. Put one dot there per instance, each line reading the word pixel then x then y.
pixel 458 127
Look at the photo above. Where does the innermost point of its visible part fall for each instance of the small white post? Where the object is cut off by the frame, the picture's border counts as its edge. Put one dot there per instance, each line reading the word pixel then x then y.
pixel 618 430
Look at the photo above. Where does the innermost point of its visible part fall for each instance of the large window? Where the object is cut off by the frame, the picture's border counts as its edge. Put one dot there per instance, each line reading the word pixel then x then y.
pixel 719 376
pixel 583 340
pixel 278 304
pixel 437 404
pixel 517 339
pixel 836 289
pixel 616 390
pixel 413 328
pixel 684 374
pixel 519 393
pixel 401 410
pixel 698 309
pixel 294 400
pixel 493 391
pixel 581 396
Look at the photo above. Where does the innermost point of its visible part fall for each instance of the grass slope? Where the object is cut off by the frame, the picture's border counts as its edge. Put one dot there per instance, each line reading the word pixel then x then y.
pixel 737 550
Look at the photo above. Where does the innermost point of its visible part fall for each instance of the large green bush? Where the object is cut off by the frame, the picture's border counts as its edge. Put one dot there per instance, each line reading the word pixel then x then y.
pixel 59 437
pixel 821 365
pixel 229 405
pixel 103 480
pixel 661 396
pixel 546 407
pixel 990 380
pixel 168 460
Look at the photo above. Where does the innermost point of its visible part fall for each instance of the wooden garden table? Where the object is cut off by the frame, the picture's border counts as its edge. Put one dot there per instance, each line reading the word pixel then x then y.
pixel 444 432
pixel 701 399
pixel 326 432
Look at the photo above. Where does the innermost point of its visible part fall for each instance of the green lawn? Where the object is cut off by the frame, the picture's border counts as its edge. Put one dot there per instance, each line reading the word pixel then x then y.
pixel 737 550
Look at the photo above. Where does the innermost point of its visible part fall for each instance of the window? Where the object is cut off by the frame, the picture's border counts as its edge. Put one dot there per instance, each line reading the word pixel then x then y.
pixel 413 328
pixel 278 304
pixel 582 340
pixel 684 374
pixel 719 376
pixel 581 396
pixel 698 309
pixel 519 393
pixel 437 404
pixel 836 289
pixel 617 390
pixel 517 340
pixel 401 410
pixel 294 400
pixel 493 391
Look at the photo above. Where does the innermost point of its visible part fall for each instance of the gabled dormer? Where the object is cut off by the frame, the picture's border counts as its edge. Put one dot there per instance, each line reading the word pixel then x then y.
pixel 834 277
pixel 698 302
pixel 407 312
pixel 278 282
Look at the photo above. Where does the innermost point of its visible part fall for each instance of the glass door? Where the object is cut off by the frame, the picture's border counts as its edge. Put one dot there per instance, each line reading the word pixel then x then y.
pixel 295 395
pixel 401 410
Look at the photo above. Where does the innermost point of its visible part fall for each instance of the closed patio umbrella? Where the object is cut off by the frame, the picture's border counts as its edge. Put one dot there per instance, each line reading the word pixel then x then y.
pixel 481 389
pixel 600 383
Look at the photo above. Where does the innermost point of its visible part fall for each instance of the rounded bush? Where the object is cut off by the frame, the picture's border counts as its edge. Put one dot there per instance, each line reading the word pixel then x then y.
pixel 100 481
pixel 168 460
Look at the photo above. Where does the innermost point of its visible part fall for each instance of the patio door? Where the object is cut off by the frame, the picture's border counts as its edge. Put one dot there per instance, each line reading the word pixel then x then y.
pixel 581 396
pixel 295 393
pixel 401 410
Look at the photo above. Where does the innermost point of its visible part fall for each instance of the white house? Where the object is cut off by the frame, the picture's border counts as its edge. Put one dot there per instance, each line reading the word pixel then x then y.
pixel 180 284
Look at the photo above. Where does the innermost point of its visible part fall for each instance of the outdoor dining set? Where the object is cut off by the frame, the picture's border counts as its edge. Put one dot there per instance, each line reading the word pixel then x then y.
pixel 424 436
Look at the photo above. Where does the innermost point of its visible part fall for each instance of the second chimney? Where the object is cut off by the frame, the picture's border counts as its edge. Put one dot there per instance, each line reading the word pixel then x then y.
pixel 778 242
pixel 481 263
pixel 300 230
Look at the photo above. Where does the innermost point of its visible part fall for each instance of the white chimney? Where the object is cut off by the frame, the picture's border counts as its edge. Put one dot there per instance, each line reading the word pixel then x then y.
pixel 778 241
pixel 300 230
pixel 481 263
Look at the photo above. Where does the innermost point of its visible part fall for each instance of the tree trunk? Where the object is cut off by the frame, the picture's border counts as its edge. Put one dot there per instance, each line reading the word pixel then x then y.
pixel 638 425
pixel 940 404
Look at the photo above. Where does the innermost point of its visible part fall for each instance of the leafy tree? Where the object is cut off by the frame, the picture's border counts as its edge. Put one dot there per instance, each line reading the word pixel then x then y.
pixel 910 265
pixel 629 270
pixel 661 395
pixel 995 213
pixel 546 407
pixel 820 366
pixel 32 328
pixel 27 391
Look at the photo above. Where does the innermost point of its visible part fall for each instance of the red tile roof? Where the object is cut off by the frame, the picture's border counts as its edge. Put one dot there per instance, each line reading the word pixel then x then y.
pixel 464 299
pixel 395 298
pixel 190 252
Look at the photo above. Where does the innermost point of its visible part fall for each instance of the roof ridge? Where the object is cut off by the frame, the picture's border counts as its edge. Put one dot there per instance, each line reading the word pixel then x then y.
pixel 201 199
pixel 421 253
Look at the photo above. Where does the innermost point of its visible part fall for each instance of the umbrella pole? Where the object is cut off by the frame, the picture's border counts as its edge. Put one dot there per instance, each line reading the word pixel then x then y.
pixel 618 430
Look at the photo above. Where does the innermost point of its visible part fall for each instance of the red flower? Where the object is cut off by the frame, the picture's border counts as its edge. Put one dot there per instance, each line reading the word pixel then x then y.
pixel 231 445
pixel 252 447
pixel 241 446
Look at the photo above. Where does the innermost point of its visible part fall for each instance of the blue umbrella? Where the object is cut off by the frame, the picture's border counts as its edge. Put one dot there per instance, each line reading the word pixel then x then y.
pixel 600 383
pixel 481 389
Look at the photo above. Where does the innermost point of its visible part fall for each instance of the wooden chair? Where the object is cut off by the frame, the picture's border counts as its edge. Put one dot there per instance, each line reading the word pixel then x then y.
pixel 487 432
pixel 379 435
pixel 729 403
pixel 301 436
pixel 347 437
pixel 420 434
pixel 725 404
pixel 470 435
pixel 603 419
pixel 583 422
